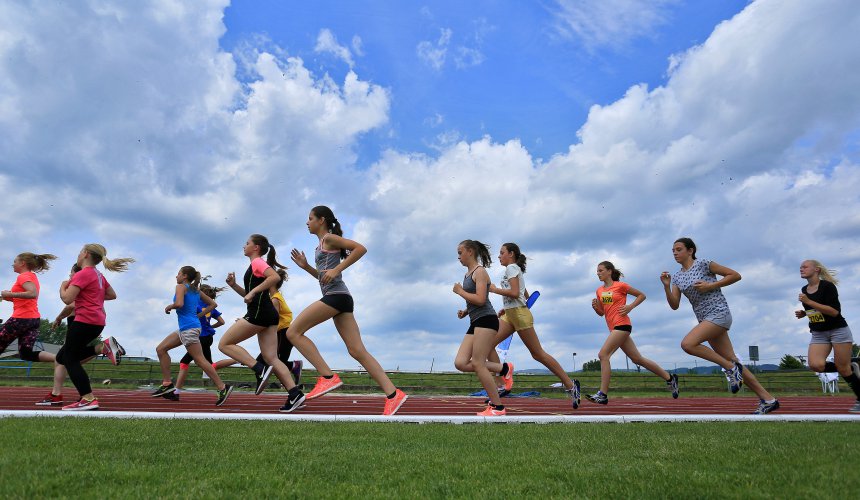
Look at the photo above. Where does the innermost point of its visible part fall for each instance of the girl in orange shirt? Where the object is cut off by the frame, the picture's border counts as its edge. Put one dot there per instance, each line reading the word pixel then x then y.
pixel 611 302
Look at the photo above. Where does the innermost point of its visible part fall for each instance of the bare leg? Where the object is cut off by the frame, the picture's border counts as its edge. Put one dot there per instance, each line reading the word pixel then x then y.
pixel 842 358
pixel 615 340
pixel 349 332
pixel 481 346
pixel 170 342
pixel 723 346
pixel 629 348
pixel 707 332
pixel 196 352
pixel 268 340
pixel 818 356
pixel 239 331
pixel 505 331
pixel 310 317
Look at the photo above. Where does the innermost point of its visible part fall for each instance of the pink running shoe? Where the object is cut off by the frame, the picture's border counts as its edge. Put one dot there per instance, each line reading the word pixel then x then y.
pixel 394 404
pixel 83 405
pixel 325 385
pixel 113 350
pixel 51 400
pixel 509 378
pixel 492 412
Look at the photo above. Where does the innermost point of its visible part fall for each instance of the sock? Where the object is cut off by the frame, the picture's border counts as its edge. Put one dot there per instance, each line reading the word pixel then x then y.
pixel 214 367
pixel 176 391
pixel 504 370
pixel 854 383
pixel 259 367
pixel 294 391
pixel 770 401
pixel 829 367
pixel 329 377
pixel 498 407
pixel 183 366
pixel 391 396
pixel 289 365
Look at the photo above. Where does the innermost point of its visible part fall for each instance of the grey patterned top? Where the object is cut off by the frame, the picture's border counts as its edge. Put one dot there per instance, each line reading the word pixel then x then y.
pixel 705 305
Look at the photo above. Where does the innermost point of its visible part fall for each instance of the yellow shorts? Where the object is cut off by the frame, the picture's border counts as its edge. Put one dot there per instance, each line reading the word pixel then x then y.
pixel 519 317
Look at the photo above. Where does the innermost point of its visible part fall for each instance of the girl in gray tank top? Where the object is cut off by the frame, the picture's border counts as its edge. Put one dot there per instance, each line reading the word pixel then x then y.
pixel 484 323
pixel 334 254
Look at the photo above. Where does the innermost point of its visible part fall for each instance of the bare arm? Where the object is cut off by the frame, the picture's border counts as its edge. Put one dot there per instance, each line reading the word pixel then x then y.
pixel 178 302
pixel 210 305
pixel 30 292
pixel 673 293
pixel 640 298
pixel 513 292
pixel 478 298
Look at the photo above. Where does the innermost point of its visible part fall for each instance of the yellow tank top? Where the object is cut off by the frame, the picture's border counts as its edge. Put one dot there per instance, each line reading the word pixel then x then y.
pixel 285 316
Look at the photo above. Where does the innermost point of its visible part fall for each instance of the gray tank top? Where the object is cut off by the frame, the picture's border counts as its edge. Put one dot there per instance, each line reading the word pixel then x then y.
pixel 325 260
pixel 474 311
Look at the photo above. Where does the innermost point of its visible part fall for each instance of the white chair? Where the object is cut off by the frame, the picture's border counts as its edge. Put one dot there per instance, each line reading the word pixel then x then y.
pixel 829 382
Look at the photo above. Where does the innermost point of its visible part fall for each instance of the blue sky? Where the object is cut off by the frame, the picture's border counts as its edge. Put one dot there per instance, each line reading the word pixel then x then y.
pixel 582 130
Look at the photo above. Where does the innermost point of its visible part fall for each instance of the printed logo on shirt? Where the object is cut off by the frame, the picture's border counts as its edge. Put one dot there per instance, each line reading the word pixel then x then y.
pixel 606 297
pixel 814 316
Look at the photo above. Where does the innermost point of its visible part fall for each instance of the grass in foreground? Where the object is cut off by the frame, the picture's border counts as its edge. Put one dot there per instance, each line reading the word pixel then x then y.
pixel 183 458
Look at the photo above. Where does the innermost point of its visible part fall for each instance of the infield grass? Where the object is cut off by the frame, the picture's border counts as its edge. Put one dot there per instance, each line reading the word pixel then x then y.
pixel 138 458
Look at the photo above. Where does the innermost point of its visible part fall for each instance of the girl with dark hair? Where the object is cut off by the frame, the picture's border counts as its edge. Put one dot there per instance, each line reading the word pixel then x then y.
pixel 697 280
pixel 261 320
pixel 611 302
pixel 186 300
pixel 332 256
pixel 516 317
pixel 88 290
pixel 480 338
pixel 23 325
pixel 820 300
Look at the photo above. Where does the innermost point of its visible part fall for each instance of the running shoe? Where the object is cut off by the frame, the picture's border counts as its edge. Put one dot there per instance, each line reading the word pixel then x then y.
pixel 673 385
pixel 112 350
pixel 262 379
pixel 293 402
pixel 599 398
pixel 83 405
pixel 204 376
pixel 394 404
pixel 172 396
pixel 491 411
pixel 223 394
pixel 736 377
pixel 509 378
pixel 325 385
pixel 296 370
pixel 50 400
pixel 854 409
pixel 855 368
pixel 764 407
pixel 164 389
pixel 574 393
pixel 503 393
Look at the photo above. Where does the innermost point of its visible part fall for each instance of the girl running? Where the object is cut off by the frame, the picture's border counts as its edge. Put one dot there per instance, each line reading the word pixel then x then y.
pixel 480 338
pixel 332 256
pixel 697 280
pixel 517 317
pixel 207 336
pixel 55 397
pixel 23 325
pixel 186 302
pixel 88 290
pixel 261 320
pixel 611 302
pixel 820 301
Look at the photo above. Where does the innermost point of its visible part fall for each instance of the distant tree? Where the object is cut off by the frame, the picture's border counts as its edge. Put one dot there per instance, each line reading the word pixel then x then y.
pixel 855 350
pixel 49 336
pixel 591 366
pixel 789 362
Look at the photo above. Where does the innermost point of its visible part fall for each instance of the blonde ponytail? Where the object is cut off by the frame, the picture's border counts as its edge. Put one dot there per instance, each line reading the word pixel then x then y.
pixel 99 254
pixel 823 272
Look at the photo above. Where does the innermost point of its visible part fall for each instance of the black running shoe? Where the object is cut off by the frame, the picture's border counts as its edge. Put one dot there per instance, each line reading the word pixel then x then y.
pixel 223 394
pixel 673 385
pixel 164 389
pixel 263 379
pixel 172 396
pixel 293 402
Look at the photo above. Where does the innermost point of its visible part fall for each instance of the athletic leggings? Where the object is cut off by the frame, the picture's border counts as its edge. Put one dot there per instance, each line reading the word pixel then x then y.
pixel 76 349
pixel 285 347
pixel 26 331
pixel 206 344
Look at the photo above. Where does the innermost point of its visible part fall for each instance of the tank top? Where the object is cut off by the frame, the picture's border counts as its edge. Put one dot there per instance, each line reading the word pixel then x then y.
pixel 325 260
pixel 262 302
pixel 474 311
pixel 187 314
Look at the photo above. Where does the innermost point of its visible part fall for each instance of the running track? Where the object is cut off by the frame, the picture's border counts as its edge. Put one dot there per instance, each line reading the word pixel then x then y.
pixel 18 401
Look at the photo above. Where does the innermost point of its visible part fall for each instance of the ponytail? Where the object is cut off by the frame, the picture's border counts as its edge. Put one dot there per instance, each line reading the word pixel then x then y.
pixel 209 290
pixel 283 274
pixel 98 253
pixel 482 251
pixel 331 222
pixel 825 273
pixel 519 258
pixel 616 274
pixel 267 250
pixel 36 262
pixel 191 275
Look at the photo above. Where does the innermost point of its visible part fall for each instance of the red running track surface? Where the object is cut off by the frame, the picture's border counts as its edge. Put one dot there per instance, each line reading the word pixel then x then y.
pixel 23 398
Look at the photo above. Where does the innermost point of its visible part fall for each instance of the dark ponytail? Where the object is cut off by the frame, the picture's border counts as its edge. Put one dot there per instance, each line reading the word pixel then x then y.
pixel 616 274
pixel 283 275
pixel 331 222
pixel 192 275
pixel 482 251
pixel 267 250
pixel 519 258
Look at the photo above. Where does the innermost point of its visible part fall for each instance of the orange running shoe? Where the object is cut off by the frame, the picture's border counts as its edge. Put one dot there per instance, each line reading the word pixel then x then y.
pixel 509 378
pixel 325 385
pixel 394 404
pixel 492 412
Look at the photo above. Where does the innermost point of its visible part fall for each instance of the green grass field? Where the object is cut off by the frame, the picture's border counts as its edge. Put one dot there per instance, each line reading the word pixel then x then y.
pixel 70 457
